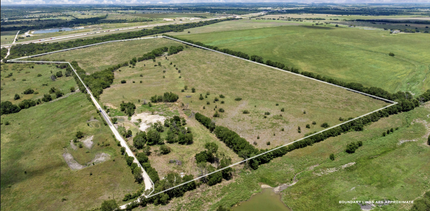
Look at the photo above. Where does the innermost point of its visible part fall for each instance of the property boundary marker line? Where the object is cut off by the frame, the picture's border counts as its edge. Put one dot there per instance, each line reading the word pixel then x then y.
pixel 105 116
pixel 265 65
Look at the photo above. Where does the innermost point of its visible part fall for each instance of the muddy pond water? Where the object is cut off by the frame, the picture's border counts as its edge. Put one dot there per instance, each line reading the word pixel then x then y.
pixel 266 200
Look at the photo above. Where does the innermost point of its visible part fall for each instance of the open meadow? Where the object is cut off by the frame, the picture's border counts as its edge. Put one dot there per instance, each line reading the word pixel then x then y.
pixel 347 54
pixel 291 101
pixel 100 57
pixel 17 78
pixel 34 173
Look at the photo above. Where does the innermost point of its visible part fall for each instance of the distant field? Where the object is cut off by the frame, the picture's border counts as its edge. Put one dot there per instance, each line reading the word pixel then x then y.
pixel 383 169
pixel 7 37
pixel 352 55
pixel 260 88
pixel 34 174
pixel 100 57
pixel 25 77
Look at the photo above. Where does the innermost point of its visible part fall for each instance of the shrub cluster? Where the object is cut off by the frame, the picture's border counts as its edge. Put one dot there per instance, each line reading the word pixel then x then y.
pixel 175 49
pixel 177 132
pixel 351 147
pixel 167 97
pixel 128 108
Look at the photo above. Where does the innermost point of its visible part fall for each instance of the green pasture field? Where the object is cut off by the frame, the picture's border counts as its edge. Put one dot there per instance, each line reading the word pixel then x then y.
pixel 261 89
pixel 24 77
pixel 100 57
pixel 7 37
pixel 34 174
pixel 383 169
pixel 219 74
pixel 347 54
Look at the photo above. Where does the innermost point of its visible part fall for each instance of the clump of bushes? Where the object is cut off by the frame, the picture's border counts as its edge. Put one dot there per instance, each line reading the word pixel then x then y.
pixel 352 147
pixel 167 97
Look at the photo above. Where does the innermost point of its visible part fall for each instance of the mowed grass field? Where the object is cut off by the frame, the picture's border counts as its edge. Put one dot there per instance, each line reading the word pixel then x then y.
pixel 16 78
pixel 347 54
pixel 383 169
pixel 100 57
pixel 260 88
pixel 34 174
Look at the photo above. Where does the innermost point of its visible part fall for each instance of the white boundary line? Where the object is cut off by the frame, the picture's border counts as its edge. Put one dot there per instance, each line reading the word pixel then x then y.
pixel 79 47
pixel 149 184
pixel 218 170
pixel 297 74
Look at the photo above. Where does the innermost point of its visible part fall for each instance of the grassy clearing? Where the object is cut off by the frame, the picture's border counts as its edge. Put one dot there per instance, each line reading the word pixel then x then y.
pixel 7 37
pixel 212 72
pixel 24 77
pixel 261 89
pixel 348 54
pixel 383 170
pixel 34 175
pixel 100 57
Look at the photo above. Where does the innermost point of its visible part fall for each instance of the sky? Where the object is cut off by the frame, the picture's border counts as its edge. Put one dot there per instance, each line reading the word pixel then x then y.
pixel 142 2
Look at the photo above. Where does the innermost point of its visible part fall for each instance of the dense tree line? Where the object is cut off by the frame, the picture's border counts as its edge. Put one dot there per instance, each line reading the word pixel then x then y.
pixel 175 49
pixel 33 48
pixel 56 23
pixel 153 54
pixel 7 107
pixel 167 97
pixel 422 204
pixel 399 96
pixel 206 121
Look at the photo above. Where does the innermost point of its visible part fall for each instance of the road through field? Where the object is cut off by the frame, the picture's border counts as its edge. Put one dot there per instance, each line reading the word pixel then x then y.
pixel 8 48
pixel 104 32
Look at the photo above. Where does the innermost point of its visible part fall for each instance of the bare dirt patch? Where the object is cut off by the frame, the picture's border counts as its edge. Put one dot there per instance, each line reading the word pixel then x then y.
pixel 331 170
pixel 74 147
pixel 88 142
pixel 146 120
pixel 99 158
pixel 73 164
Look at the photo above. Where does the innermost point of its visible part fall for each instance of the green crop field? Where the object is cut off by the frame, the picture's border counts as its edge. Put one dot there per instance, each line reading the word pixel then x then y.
pixel 383 169
pixel 34 174
pixel 25 76
pixel 347 54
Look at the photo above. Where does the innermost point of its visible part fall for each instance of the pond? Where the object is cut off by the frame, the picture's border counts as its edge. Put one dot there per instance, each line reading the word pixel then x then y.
pixel 43 31
pixel 267 199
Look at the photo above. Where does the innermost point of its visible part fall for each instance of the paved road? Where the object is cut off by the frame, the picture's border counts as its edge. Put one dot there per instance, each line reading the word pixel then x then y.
pixel 104 32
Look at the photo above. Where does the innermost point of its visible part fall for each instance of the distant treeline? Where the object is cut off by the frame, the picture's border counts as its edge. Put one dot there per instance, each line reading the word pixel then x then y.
pixel 43 24
pixel 350 10
pixel 33 48
pixel 402 97
pixel 394 21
